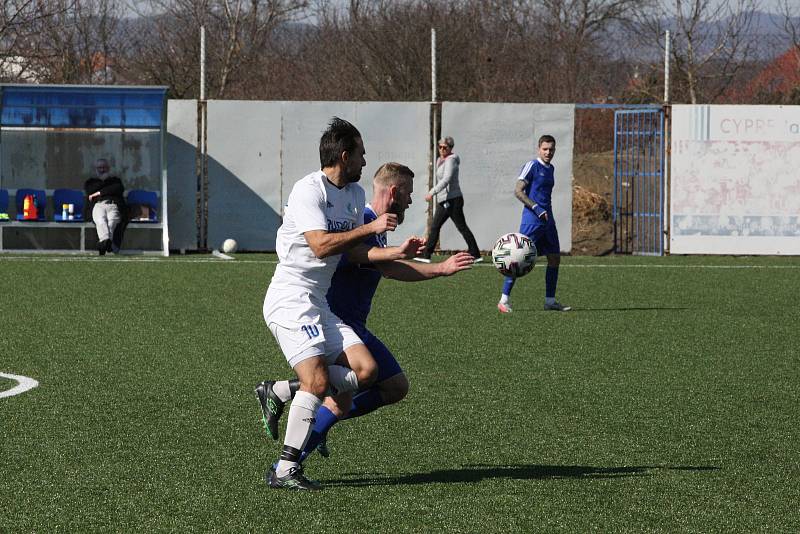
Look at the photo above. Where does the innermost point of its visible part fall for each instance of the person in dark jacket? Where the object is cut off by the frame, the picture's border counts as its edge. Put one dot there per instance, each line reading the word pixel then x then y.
pixel 106 205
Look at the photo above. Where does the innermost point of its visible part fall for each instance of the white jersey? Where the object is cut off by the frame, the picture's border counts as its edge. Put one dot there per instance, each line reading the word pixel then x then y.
pixel 314 204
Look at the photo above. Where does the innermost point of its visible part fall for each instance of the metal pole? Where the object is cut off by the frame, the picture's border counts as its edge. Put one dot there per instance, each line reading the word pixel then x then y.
pixel 202 62
pixel 433 64
pixel 433 98
pixel 202 155
pixel 435 127
pixel 666 68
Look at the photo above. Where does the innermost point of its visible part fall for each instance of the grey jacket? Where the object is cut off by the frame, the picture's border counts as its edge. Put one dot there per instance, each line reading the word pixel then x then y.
pixel 446 186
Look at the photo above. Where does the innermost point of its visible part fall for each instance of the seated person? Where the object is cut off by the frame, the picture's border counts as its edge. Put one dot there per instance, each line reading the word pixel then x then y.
pixel 106 205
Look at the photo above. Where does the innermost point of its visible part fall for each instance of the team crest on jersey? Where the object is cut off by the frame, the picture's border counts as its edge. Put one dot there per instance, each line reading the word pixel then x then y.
pixel 340 226
pixel 351 210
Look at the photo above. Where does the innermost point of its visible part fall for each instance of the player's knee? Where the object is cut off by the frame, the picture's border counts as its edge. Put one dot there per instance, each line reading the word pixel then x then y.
pixel 553 260
pixel 394 389
pixel 313 376
pixel 366 373
pixel 316 384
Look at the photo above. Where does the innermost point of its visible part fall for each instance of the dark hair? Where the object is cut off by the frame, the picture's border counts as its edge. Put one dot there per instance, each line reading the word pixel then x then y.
pixel 546 139
pixel 339 137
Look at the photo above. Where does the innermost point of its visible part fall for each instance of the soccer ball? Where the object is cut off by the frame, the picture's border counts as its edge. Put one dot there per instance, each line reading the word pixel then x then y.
pixel 229 246
pixel 514 255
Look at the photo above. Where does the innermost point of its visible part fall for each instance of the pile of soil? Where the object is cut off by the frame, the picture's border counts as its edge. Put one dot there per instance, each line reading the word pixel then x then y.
pixel 592 184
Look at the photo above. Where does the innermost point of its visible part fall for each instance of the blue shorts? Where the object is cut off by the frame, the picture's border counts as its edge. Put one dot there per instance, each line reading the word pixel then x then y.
pixel 544 236
pixel 387 364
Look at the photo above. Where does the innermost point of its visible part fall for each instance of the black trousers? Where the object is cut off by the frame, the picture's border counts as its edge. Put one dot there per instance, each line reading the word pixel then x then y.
pixel 451 209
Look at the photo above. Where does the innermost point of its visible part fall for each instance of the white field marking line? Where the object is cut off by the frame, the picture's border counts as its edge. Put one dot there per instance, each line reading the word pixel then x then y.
pixel 24 384
pixel 219 260
pixel 132 259
pixel 646 266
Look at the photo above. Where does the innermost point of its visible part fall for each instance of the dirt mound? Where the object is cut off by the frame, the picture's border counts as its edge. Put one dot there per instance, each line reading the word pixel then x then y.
pixel 592 225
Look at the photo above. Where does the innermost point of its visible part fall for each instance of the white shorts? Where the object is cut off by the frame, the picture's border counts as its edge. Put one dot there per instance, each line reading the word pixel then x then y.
pixel 305 327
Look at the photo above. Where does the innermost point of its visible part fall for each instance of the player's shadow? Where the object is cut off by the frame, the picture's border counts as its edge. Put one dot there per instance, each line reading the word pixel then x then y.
pixel 620 308
pixel 633 308
pixel 476 473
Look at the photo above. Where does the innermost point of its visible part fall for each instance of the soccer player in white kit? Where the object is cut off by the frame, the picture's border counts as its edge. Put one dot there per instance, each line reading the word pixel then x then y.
pixel 323 218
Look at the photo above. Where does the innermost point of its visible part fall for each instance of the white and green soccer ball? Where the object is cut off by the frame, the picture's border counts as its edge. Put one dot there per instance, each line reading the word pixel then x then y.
pixel 514 255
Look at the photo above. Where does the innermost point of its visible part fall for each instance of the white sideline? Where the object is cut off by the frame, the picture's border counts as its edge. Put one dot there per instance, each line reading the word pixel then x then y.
pixel 219 259
pixel 24 384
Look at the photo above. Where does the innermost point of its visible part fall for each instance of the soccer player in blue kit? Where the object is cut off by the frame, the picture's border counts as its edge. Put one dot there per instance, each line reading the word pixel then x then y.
pixel 350 297
pixel 534 189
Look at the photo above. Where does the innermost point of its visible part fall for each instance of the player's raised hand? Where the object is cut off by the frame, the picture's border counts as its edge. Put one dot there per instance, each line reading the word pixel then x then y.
pixel 385 223
pixel 412 247
pixel 457 262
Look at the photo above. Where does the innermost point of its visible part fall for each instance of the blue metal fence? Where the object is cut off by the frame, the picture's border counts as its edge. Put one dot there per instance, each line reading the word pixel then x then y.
pixel 639 159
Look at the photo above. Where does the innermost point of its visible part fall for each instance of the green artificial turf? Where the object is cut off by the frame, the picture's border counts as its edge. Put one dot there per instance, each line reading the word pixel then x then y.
pixel 666 401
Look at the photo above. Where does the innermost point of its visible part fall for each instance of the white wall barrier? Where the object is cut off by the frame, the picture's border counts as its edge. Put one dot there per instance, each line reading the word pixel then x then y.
pixel 258 150
pixel 735 182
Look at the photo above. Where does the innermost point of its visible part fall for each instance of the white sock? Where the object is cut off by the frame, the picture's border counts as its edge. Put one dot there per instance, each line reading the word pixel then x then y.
pixel 281 389
pixel 342 379
pixel 300 422
pixel 549 300
pixel 504 299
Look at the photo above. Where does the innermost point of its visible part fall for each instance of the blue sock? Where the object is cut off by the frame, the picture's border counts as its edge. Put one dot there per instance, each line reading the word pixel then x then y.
pixel 325 420
pixel 365 402
pixel 550 282
pixel 508 285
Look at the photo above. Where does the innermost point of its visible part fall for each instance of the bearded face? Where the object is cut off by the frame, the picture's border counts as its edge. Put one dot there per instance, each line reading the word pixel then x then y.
pixel 355 162
pixel 400 202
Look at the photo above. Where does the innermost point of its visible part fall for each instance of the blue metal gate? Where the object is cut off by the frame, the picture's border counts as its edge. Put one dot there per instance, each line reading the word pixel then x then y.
pixel 639 182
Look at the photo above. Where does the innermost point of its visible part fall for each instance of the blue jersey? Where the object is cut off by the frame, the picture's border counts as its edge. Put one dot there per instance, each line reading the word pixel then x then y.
pixel 539 181
pixel 353 285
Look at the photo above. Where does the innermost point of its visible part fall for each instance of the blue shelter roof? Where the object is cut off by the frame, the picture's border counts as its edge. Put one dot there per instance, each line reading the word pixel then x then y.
pixel 82 106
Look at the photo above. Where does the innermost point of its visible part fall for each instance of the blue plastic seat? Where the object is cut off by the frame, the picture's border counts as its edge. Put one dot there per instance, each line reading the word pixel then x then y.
pixel 3 205
pixel 68 196
pixel 41 201
pixel 144 198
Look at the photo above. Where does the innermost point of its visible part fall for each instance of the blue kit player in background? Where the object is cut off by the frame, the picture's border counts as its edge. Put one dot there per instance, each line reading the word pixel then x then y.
pixel 350 297
pixel 534 189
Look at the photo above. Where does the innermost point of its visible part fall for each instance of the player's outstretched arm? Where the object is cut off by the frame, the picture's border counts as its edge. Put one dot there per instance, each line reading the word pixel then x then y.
pixel 364 253
pixel 324 244
pixel 406 271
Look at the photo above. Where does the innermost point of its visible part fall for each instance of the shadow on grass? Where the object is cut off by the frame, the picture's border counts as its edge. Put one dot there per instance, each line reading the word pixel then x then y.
pixel 632 308
pixel 478 473
pixel 618 309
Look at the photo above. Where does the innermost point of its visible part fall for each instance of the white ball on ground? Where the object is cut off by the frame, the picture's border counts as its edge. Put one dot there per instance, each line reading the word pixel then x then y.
pixel 229 246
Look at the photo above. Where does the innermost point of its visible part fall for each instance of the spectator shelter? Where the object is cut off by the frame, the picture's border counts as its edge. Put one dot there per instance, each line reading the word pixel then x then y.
pixel 50 136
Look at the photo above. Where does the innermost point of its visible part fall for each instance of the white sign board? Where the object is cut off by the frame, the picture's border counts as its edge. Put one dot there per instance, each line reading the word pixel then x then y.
pixel 735 180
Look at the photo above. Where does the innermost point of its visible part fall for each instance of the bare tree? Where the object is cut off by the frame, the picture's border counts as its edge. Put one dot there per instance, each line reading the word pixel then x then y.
pixel 488 50
pixel 19 23
pixel 78 42
pixel 165 50
pixel 712 42
pixel 581 35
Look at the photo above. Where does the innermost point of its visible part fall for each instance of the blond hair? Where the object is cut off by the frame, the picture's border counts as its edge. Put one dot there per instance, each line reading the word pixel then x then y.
pixel 393 174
